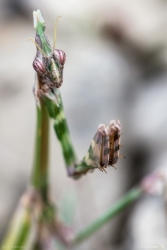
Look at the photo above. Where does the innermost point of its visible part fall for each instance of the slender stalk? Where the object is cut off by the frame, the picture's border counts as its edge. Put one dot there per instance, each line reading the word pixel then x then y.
pixel 23 229
pixel 17 237
pixel 39 178
pixel 119 206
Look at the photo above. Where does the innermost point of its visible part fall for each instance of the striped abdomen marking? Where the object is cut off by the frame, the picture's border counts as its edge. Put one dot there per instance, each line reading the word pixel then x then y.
pixel 111 152
pixel 104 148
pixel 114 131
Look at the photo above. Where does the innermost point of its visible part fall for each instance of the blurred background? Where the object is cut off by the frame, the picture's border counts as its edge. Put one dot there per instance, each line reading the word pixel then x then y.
pixel 115 69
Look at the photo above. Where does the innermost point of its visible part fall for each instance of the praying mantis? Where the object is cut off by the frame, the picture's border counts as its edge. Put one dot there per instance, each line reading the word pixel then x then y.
pixel 49 64
pixel 36 222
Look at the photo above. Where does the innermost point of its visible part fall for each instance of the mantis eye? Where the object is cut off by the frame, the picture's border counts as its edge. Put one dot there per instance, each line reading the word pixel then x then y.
pixel 60 55
pixel 38 66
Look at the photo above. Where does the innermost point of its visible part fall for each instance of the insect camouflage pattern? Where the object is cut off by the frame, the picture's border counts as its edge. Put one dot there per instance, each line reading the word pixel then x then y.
pixel 48 64
pixel 104 149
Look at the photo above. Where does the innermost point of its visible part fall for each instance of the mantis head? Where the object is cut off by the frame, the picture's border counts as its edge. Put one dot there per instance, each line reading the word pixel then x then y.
pixel 50 68
pixel 48 62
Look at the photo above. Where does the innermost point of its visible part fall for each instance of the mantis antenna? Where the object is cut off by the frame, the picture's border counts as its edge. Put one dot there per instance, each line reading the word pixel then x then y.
pixel 30 39
pixel 55 28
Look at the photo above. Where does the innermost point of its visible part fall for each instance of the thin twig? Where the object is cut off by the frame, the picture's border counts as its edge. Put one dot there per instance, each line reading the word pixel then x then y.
pixel 115 209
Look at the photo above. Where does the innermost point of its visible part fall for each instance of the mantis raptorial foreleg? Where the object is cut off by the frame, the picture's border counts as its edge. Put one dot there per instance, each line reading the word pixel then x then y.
pixel 48 64
pixel 104 149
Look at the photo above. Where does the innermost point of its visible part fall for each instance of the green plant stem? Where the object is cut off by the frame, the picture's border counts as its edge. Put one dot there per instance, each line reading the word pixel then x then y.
pixel 18 238
pixel 119 206
pixel 20 231
pixel 40 168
